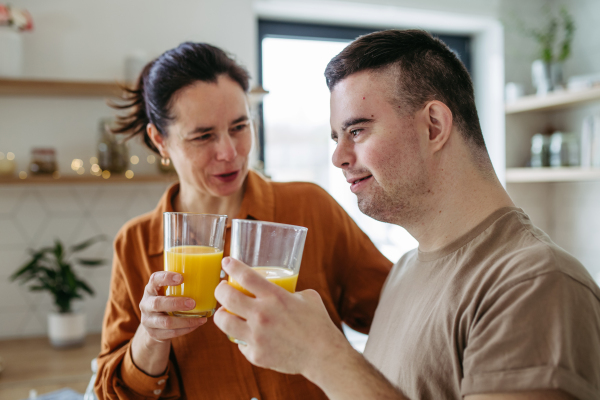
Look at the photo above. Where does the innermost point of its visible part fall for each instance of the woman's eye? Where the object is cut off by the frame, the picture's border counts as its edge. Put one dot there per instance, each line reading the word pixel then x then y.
pixel 240 127
pixel 202 138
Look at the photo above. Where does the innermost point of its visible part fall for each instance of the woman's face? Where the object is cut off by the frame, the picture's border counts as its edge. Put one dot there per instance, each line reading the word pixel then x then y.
pixel 211 136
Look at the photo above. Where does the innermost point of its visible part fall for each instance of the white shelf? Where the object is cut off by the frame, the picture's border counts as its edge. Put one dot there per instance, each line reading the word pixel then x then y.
pixel 553 101
pixel 566 174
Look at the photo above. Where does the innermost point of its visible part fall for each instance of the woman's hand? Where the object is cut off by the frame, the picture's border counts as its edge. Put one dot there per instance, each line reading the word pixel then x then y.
pixel 158 324
pixel 151 343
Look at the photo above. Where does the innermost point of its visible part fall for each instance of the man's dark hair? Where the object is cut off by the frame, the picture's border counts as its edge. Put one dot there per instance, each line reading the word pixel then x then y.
pixel 426 69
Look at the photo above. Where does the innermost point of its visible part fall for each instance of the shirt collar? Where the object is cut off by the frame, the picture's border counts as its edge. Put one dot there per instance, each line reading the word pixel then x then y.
pixel 258 203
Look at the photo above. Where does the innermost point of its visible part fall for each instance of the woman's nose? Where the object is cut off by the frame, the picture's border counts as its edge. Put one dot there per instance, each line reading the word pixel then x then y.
pixel 226 148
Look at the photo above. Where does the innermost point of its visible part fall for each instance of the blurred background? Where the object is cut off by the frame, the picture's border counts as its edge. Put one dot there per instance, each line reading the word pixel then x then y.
pixel 534 63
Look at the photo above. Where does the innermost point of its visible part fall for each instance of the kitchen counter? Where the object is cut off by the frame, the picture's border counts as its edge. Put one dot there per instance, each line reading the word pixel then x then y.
pixel 33 363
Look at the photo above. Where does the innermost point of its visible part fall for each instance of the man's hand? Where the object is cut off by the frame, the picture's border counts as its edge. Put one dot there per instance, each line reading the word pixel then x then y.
pixel 290 333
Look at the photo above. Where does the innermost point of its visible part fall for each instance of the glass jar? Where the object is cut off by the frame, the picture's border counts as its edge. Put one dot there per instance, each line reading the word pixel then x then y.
pixel 43 161
pixel 540 151
pixel 113 154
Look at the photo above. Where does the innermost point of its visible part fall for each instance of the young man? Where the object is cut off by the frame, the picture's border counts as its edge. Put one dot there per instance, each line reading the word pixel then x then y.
pixel 487 307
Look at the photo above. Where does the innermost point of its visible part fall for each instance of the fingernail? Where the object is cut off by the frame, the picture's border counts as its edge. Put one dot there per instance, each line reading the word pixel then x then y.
pixel 189 303
pixel 177 278
pixel 226 261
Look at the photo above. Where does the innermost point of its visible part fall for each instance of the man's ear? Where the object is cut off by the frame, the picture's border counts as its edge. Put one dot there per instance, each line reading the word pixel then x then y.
pixel 159 140
pixel 439 123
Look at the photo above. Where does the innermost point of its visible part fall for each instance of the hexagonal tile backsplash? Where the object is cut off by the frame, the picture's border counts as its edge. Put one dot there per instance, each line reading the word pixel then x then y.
pixel 32 216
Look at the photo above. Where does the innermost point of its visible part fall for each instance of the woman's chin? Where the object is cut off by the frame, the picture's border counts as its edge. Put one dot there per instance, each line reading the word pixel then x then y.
pixel 224 189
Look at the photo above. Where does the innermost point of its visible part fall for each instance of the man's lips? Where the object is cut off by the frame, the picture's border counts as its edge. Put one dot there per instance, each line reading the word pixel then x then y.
pixel 357 183
pixel 356 179
pixel 228 176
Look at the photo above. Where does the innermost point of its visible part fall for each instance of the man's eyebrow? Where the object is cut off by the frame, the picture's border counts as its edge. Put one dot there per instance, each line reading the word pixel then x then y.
pixel 354 121
pixel 204 129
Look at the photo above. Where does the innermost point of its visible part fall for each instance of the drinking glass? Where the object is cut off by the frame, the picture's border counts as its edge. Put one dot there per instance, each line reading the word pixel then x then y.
pixel 193 247
pixel 271 249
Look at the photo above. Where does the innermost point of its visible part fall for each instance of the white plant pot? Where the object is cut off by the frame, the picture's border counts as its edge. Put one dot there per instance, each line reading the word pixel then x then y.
pixel 66 330
pixel 11 53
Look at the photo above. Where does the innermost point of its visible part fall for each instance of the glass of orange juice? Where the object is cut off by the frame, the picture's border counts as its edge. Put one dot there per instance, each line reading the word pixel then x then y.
pixel 193 247
pixel 271 249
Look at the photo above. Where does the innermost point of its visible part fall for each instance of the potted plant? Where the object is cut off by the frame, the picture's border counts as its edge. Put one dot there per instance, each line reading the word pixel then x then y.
pixel 554 47
pixel 51 269
pixel 12 21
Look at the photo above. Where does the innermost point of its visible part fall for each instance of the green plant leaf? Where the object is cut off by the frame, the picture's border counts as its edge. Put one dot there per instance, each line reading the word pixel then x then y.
pixel 29 267
pixel 49 270
pixel 71 280
pixel 85 287
pixel 90 262
pixel 58 250
pixel 43 250
pixel 87 243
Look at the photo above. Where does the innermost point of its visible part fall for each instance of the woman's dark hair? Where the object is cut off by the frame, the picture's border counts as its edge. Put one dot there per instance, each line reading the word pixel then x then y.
pixel 150 100
pixel 425 68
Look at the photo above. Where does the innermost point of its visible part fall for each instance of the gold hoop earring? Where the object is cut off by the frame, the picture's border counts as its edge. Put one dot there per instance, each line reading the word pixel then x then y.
pixel 165 161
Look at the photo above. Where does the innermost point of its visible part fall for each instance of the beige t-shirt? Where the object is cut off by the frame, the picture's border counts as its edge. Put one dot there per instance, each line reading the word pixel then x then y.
pixel 501 309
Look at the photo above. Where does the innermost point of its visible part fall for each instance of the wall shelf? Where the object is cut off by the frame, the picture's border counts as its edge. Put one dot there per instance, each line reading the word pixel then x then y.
pixel 89 179
pixel 35 87
pixel 553 101
pixel 566 174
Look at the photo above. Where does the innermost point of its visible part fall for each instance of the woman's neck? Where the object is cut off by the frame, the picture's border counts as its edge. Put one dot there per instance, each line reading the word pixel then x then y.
pixel 190 199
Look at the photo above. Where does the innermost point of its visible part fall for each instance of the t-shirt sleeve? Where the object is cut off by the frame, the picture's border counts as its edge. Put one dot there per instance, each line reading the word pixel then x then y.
pixel 118 377
pixel 360 271
pixel 541 333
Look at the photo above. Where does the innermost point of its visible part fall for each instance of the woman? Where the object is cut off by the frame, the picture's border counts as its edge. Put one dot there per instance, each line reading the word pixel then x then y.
pixel 190 106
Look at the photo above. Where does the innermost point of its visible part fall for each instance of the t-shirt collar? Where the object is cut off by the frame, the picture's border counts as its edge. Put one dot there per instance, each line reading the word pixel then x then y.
pixel 467 237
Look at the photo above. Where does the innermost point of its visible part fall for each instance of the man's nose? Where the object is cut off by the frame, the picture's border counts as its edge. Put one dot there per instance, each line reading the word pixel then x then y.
pixel 343 156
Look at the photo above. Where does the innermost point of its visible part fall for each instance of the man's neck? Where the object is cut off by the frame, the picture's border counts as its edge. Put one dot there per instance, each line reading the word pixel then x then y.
pixel 456 206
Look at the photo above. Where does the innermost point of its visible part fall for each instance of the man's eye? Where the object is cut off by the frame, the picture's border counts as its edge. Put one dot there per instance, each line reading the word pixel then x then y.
pixel 355 132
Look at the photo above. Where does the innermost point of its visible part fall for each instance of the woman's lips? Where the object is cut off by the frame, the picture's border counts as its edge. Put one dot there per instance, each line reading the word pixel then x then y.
pixel 227 177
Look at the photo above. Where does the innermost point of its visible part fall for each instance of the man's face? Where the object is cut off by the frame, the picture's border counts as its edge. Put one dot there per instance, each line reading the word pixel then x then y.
pixel 380 147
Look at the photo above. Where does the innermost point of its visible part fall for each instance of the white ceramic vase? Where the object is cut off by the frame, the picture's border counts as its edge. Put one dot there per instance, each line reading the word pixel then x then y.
pixel 11 53
pixel 66 329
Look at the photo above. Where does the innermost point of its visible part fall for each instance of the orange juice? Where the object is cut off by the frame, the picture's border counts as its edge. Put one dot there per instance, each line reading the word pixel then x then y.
pixel 282 277
pixel 201 270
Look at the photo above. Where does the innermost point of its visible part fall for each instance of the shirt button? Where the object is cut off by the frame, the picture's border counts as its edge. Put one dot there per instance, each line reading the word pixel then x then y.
pixel 158 391
pixel 161 382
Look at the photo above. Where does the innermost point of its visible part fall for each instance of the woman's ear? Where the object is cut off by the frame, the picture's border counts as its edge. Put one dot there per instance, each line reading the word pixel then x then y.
pixel 159 140
pixel 439 124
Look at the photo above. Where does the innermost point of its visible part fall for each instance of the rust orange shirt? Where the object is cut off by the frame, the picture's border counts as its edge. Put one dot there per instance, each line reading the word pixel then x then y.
pixel 339 262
